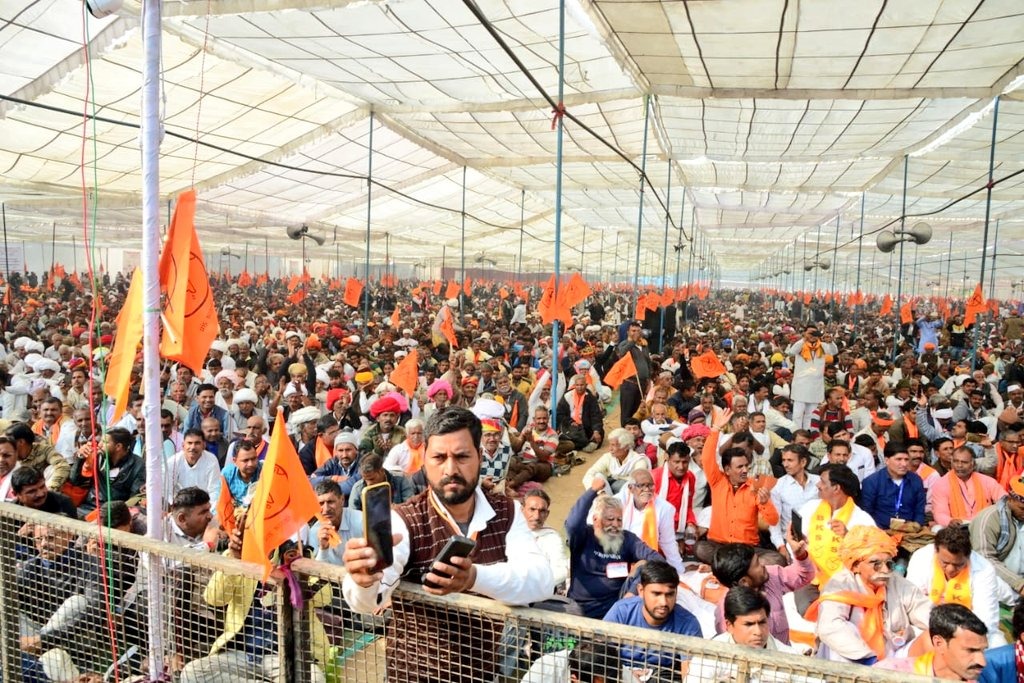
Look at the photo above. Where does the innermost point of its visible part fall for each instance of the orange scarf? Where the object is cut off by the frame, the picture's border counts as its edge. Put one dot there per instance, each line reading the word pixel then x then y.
pixel 1007 466
pixel 809 351
pixel 958 502
pixel 909 427
pixel 924 665
pixel 323 453
pixel 955 591
pixel 649 530
pixel 871 625
pixel 39 428
pixel 577 408
pixel 823 544
pixel 415 459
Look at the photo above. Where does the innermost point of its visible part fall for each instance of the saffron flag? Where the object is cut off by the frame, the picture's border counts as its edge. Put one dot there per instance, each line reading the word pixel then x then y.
pixel 907 312
pixel 293 283
pixel 189 312
pixel 244 280
pixel 395 320
pixel 707 365
pixel 444 326
pixel 298 297
pixel 122 358
pixel 546 306
pixel 503 293
pixel 452 291
pixel 323 453
pixel 407 374
pixel 886 305
pixel 226 508
pixel 975 305
pixel 353 292
pixel 467 287
pixel 283 502
pixel 623 369
pixel 436 289
pixel 575 291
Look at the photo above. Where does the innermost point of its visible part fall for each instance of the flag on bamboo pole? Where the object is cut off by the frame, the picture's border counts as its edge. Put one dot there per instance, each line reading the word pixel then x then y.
pixel 444 326
pixel 467 287
pixel 395 320
pixel 437 287
pixel 189 312
pixel 886 305
pixel 623 369
pixel 907 312
pixel 226 508
pixel 975 305
pixel 297 297
pixel 283 502
pixel 574 292
pixel 244 280
pixel 126 344
pixel 452 290
pixel 707 365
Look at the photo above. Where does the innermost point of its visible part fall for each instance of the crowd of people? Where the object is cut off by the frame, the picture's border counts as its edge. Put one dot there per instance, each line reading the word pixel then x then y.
pixel 842 484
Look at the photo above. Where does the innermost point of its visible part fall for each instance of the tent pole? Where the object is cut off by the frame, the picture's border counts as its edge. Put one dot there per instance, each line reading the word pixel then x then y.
pixel 640 212
pixel 860 253
pixel 679 252
pixel 522 225
pixel 949 262
pixel 462 248
pixel 664 253
pixel 53 246
pixel 995 252
pixel 899 272
pixel 600 261
pixel 583 248
pixel 369 215
pixel 988 214
pixel 150 139
pixel 7 253
pixel 835 267
pixel 559 135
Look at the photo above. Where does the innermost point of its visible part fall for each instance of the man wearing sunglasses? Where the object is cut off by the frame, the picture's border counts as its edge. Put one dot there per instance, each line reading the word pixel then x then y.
pixel 866 612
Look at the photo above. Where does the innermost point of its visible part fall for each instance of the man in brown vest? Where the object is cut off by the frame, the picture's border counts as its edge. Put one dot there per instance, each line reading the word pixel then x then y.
pixel 428 642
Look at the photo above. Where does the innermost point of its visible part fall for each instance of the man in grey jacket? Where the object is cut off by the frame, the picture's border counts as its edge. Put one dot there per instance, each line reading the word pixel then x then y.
pixel 996 533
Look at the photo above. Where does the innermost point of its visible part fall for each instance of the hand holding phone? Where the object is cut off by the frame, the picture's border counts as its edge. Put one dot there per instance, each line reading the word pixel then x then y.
pixel 376 501
pixel 457 546
pixel 796 526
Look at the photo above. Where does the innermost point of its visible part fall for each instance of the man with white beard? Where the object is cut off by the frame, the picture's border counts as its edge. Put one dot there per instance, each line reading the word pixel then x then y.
pixel 601 554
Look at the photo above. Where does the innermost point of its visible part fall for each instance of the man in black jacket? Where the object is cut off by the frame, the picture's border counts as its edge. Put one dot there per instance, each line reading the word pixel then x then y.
pixel 580 418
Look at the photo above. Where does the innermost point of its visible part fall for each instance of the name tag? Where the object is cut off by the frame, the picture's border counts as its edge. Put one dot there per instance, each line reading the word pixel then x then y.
pixel 617 570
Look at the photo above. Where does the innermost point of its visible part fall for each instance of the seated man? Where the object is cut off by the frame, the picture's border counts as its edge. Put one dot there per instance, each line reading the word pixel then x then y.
pixel 958 640
pixel 601 554
pixel 614 467
pixel 994 532
pixel 960 494
pixel 540 443
pixel 654 608
pixel 866 612
pixel 341 520
pixel 650 517
pixel 1003 663
pixel 676 484
pixel 894 492
pixel 580 416
pixel 949 571
pixel 536 508
pixel 371 471
pixel 746 625
pixel 736 564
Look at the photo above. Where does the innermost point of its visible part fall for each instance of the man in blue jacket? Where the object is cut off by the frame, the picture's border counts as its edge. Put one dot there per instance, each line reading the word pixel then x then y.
pixel 894 493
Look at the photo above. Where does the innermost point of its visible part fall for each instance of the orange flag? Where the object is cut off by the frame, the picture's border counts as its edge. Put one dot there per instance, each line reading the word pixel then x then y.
pixel 297 297
pixel 323 453
pixel 467 287
pixel 503 293
pixel 293 282
pixel 226 508
pixel 436 288
pixel 546 306
pixel 452 291
pixel 445 326
pixel 353 292
pixel 122 358
pixel 886 305
pixel 975 305
pixel 244 280
pixel 575 291
pixel 907 312
pixel 407 374
pixel 189 312
pixel 395 321
pixel 283 502
pixel 707 365
pixel 623 369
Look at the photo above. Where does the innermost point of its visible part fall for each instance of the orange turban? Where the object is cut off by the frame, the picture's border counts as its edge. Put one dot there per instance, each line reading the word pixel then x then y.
pixel 861 542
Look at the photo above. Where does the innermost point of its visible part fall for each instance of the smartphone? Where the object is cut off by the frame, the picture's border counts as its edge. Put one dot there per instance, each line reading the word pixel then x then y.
pixel 376 501
pixel 797 526
pixel 457 546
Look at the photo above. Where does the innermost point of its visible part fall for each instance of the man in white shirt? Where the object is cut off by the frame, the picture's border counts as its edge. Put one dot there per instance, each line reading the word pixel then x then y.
pixel 639 506
pixel 536 508
pixel 193 466
pixel 792 492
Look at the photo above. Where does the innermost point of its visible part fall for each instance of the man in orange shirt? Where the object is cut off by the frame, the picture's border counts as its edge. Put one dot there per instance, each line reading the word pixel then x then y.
pixel 736 505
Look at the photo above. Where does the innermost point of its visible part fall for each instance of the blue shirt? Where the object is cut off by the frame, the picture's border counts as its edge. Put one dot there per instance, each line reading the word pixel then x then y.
pixel 334 468
pixel 630 611
pixel 195 421
pixel 884 499
pixel 1000 665
pixel 239 488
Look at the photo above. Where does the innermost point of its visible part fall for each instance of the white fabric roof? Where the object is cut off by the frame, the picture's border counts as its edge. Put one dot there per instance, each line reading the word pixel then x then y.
pixel 774 115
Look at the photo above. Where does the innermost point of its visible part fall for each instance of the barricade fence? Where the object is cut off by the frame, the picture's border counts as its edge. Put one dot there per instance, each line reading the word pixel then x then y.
pixel 75 611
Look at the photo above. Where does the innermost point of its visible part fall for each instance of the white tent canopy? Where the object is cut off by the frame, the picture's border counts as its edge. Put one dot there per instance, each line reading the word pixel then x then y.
pixel 777 117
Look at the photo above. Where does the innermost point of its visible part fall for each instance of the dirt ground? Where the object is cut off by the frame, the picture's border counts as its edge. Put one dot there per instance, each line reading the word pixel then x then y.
pixel 566 490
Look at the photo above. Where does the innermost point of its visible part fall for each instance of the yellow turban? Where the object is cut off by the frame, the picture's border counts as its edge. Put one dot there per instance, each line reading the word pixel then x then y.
pixel 364 377
pixel 297 369
pixel 861 542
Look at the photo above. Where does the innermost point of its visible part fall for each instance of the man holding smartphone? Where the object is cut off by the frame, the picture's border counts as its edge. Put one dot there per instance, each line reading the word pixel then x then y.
pixel 427 645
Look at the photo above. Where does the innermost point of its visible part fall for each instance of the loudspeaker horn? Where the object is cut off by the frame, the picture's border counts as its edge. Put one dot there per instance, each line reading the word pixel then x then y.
pixel 886 241
pixel 920 233
pixel 297 232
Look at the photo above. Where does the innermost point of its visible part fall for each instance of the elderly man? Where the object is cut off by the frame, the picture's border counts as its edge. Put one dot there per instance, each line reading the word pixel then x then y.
pixel 372 471
pixel 649 517
pixel 214 437
pixel 866 612
pixel 601 550
pixel 958 647
pixel 614 467
pixel 255 432
pixel 997 532
pixel 343 468
pixel 385 433
pixel 407 457
pixel 505 565
pixel 949 571
pixel 958 496
pixel 536 508
pixel 580 417
pixel 302 427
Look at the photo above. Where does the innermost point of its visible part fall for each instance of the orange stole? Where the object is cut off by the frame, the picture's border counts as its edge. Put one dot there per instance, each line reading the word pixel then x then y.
pixel 870 626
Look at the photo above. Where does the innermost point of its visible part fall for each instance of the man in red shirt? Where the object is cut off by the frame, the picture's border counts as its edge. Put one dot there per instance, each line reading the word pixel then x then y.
pixel 676 484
